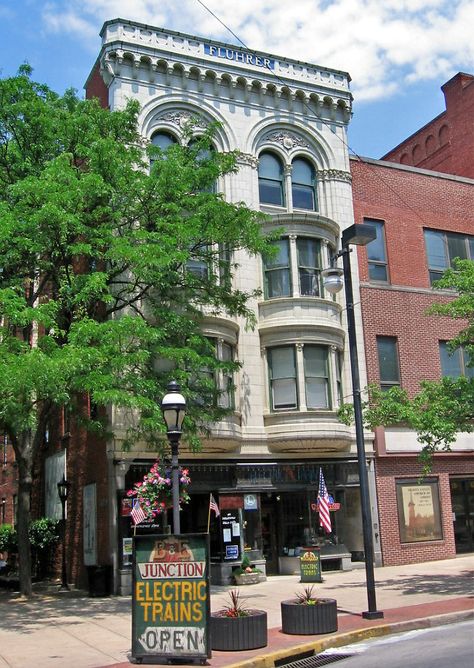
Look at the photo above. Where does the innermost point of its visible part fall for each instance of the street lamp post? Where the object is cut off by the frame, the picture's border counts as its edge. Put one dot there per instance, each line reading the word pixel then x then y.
pixel 63 491
pixel 359 235
pixel 173 407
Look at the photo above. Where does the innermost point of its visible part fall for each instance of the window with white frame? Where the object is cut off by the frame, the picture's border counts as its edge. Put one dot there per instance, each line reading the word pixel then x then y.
pixel 299 377
pixel 443 247
pixel 297 261
pixel 277 271
pixel 282 375
pixel 303 185
pixel 309 266
pixel 270 179
pixel 316 375
pixel 216 384
pixel 455 363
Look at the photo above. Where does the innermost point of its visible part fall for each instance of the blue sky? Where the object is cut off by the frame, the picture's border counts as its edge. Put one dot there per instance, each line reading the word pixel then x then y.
pixel 398 52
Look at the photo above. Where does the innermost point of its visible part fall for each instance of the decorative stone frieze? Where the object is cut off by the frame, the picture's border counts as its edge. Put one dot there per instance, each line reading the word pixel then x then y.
pixel 182 118
pixel 287 139
pixel 334 175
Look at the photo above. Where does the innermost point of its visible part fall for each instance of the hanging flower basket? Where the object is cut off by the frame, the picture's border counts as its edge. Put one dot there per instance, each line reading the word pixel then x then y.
pixel 155 492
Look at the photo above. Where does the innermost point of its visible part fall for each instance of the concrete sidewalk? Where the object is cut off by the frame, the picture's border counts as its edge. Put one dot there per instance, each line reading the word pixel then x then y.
pixel 58 630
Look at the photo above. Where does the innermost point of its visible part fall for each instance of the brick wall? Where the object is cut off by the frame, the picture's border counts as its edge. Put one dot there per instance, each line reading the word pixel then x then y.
pixel 446 144
pixel 95 87
pixel 392 468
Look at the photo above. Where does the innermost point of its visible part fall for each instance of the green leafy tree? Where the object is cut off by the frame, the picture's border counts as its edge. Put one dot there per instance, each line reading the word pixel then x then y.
pixel 99 291
pixel 441 409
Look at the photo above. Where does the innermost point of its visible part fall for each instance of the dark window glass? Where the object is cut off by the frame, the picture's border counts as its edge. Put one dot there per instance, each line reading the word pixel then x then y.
pixel 277 272
pixel 163 140
pixel 198 264
pixel 388 362
pixel 443 247
pixel 303 185
pixel 282 373
pixel 270 179
pixel 309 266
pixel 376 253
pixel 455 363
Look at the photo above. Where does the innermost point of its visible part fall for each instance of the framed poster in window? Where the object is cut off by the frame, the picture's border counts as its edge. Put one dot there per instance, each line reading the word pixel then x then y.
pixel 419 516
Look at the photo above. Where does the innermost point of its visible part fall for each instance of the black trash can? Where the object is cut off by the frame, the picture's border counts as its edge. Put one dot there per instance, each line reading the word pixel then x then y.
pixel 100 580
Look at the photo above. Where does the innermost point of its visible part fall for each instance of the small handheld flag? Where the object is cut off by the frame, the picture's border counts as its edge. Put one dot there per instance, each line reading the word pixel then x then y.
pixel 138 514
pixel 213 506
pixel 323 504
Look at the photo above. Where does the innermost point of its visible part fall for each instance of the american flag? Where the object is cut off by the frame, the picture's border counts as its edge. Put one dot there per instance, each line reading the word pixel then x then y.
pixel 138 514
pixel 213 506
pixel 323 504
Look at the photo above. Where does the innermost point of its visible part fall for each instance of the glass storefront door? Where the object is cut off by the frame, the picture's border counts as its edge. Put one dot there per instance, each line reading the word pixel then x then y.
pixel 462 500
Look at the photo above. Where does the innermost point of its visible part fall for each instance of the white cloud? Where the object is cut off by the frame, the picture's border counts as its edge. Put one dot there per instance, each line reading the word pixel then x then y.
pixel 383 44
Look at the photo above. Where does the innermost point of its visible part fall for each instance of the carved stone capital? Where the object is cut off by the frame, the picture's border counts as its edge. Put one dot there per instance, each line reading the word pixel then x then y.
pixel 247 159
pixel 334 175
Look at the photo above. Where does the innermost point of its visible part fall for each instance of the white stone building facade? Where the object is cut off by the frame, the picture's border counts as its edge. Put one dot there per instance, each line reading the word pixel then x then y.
pixel 288 119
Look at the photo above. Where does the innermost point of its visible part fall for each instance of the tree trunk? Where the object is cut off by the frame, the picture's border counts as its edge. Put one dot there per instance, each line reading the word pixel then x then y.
pixel 24 457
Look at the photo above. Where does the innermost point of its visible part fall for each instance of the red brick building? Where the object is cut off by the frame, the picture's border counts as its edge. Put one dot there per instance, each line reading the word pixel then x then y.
pixel 445 144
pixel 423 219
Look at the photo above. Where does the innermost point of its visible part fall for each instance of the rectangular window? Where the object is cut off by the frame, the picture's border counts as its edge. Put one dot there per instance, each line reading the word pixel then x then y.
pixel 5 450
pixel 339 378
pixel 443 247
pixel 316 376
pixel 376 252
pixel 199 264
pixel 387 350
pixel 309 266
pixel 277 272
pixel 455 363
pixel 227 389
pixel 282 374
pixel 419 516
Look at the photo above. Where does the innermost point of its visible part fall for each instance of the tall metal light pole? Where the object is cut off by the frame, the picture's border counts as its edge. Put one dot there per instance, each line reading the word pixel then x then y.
pixel 359 235
pixel 63 492
pixel 173 407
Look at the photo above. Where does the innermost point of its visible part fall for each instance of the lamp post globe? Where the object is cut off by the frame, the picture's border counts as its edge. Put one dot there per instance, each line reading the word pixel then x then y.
pixel 173 407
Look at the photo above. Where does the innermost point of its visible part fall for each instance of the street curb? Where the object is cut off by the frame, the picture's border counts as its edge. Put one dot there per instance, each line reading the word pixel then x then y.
pixel 317 646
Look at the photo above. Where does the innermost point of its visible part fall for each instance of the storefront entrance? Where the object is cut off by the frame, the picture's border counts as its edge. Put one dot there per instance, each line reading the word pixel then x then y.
pixel 269 533
pixel 462 500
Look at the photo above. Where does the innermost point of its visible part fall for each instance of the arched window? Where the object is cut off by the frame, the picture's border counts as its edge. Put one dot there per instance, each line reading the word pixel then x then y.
pixel 204 154
pixel 163 140
pixel 303 185
pixel 270 179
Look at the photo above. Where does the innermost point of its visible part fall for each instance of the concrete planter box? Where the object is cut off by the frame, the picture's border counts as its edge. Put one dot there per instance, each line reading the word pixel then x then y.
pixel 249 578
pixel 300 619
pixel 235 634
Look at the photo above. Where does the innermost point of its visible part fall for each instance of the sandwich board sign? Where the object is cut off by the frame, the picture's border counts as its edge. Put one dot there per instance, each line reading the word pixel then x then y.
pixel 170 597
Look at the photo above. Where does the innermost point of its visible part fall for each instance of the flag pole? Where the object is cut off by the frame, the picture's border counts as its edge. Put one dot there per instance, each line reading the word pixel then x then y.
pixel 209 514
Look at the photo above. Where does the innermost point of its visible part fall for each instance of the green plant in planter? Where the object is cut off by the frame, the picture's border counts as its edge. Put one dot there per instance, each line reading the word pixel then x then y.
pixel 306 597
pixel 245 567
pixel 235 607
